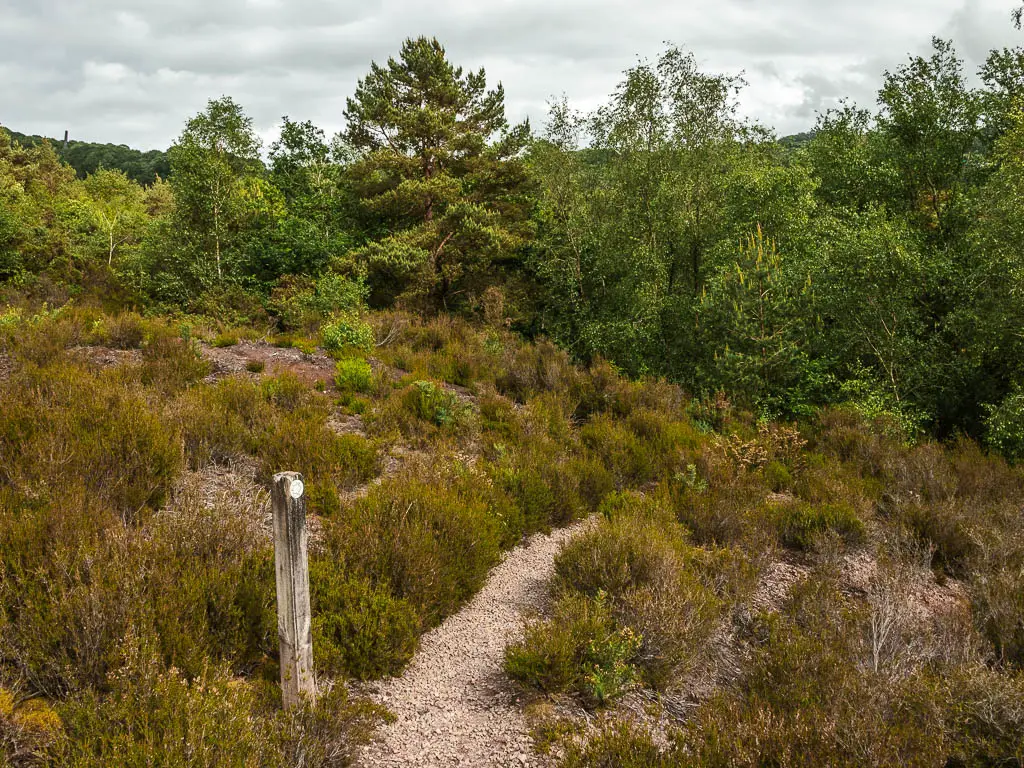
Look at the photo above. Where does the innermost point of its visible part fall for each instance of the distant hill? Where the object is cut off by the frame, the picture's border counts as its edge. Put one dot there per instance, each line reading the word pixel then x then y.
pixel 797 140
pixel 87 157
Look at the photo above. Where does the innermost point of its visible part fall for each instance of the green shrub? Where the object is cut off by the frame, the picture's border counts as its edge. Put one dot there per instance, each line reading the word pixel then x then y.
pixel 618 744
pixel 846 434
pixel 638 544
pixel 499 418
pixel 359 630
pixel 171 364
pixel 209 589
pixel 157 714
pixel 430 539
pixel 777 476
pixel 353 374
pixel 286 391
pixel 799 524
pixel 549 488
pixel 196 583
pixel 303 304
pixel 68 597
pixel 39 339
pixel 64 427
pixel 579 649
pixel 631 460
pixel 725 513
pixel 304 443
pixel 1004 426
pixel 347 332
pixel 434 404
pixel 125 331
pixel 279 421
pixel 255 366
pixel 655 582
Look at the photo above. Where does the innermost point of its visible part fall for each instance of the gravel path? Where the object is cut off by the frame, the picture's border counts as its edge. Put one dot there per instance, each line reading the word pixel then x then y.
pixel 454 704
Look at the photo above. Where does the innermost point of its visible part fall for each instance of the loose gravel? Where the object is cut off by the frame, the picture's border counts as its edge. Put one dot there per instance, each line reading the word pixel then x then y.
pixel 454 704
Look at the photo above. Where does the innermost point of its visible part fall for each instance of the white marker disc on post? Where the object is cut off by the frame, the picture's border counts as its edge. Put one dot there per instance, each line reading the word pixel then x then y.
pixel 297 489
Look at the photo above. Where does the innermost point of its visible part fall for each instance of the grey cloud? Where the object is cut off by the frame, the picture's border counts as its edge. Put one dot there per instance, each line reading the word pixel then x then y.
pixel 133 70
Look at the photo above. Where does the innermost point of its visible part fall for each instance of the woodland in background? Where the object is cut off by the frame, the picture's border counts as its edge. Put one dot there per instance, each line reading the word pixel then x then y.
pixel 876 261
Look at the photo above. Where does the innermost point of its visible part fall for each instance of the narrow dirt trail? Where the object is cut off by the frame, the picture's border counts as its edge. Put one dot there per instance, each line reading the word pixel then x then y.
pixel 454 704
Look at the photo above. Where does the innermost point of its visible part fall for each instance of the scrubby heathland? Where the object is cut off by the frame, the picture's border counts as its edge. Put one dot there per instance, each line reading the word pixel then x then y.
pixel 781 378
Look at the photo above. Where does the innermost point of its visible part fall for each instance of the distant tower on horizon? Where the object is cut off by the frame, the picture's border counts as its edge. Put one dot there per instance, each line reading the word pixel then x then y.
pixel 66 135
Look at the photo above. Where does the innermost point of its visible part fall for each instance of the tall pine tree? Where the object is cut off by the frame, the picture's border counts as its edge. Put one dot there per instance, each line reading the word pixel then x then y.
pixel 439 176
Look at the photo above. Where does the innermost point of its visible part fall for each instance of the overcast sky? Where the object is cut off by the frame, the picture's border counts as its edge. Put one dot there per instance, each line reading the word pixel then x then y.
pixel 132 71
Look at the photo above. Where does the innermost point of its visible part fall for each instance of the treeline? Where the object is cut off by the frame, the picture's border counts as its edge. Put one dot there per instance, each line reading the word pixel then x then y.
pixel 876 261
pixel 88 157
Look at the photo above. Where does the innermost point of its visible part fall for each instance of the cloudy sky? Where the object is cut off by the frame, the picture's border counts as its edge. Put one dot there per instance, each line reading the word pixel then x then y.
pixel 131 71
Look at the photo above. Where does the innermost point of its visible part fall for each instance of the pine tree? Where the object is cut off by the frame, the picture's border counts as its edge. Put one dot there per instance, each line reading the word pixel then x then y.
pixel 438 173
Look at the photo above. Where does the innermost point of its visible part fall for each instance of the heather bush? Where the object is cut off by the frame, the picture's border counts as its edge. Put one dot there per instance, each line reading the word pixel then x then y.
pixel 807 700
pixel 846 435
pixel 944 528
pixel 777 476
pixel 800 524
pixel 997 583
pixel 431 540
pixel 443 348
pixel 359 630
pixel 984 717
pixel 434 404
pixel 725 512
pixel 225 339
pixel 303 442
pixel 197 581
pixel 422 412
pixel 281 422
pixel 39 339
pixel 532 369
pixel 153 712
pixel 578 650
pixel 65 427
pixel 209 587
pixel 219 422
pixel 632 460
pixel 125 331
pixel 548 487
pixel 170 363
pixel 67 604
pixel 656 583
pixel 499 419
pixel 617 744
pixel 637 544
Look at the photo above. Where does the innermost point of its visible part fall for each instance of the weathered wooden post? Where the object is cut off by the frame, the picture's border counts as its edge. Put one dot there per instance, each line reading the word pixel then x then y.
pixel 294 622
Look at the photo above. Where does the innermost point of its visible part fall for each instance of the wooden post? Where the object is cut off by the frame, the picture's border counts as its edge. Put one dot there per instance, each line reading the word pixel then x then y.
pixel 294 623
